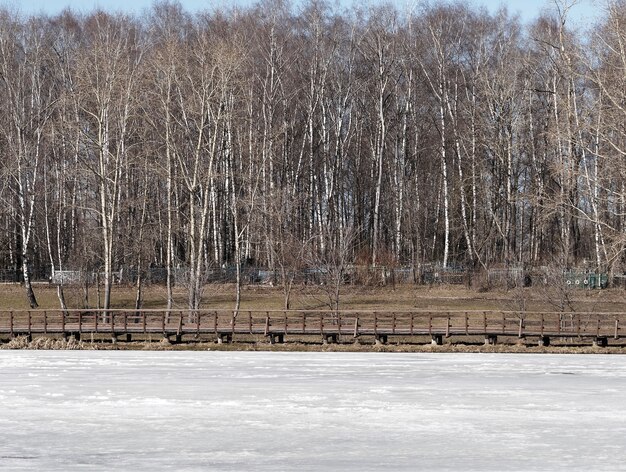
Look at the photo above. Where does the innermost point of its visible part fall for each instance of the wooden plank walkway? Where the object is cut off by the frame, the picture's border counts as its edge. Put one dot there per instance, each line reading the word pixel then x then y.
pixel 278 324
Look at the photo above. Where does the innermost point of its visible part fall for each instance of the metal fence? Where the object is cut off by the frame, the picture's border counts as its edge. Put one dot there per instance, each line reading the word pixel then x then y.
pixel 438 274
pixel 10 276
pixel 357 275
pixel 574 279
pixel 351 274
pixel 509 277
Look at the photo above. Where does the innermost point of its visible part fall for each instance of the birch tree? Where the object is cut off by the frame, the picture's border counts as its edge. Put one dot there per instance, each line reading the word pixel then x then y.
pixel 106 84
pixel 29 98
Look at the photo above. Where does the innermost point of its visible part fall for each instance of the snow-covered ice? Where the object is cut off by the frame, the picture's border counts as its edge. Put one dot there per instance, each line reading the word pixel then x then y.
pixel 226 411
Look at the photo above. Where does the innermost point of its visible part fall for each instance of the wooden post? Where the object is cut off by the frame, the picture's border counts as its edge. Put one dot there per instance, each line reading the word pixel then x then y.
pixel 503 322
pixel 448 326
pixel 520 332
pixel 381 339
pixel 267 324
pixel 215 322
pixel 63 321
pixel 12 325
pixel 375 324
pixel 393 326
pixel 490 339
pixel 356 326
pixel 112 322
pixel 277 338
pixel 412 323
pixel 466 324
pixel 198 324
pixel 143 320
pixel 430 323
pixel 339 323
pixel 45 322
pixel 600 341
pixel 80 321
pixel 484 322
pixel 163 322
pixel 30 322
pixel 303 322
pixel 616 335
pixel 95 322
pixel 224 338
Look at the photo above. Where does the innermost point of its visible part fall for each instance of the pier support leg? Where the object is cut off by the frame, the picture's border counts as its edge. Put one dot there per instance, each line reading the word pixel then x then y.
pixel 329 339
pixel 129 337
pixel 437 340
pixel 491 340
pixel 600 342
pixel 276 338
pixel 224 338
pixel 544 341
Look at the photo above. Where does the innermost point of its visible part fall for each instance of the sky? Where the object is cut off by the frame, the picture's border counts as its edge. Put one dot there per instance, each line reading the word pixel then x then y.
pixel 583 12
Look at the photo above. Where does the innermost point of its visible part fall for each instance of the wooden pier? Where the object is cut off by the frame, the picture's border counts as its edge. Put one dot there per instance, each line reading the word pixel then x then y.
pixel 330 326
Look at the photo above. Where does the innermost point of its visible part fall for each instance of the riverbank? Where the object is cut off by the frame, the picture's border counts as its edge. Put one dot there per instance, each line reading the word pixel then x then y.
pixel 48 343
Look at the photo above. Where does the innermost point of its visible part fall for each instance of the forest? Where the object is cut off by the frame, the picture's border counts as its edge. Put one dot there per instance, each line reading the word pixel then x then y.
pixel 290 138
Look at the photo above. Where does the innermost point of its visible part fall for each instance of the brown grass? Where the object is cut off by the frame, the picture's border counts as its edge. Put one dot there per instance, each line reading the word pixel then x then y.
pixel 364 345
pixel 404 297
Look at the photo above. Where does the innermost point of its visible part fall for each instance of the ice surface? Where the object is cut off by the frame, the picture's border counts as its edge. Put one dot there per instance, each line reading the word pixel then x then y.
pixel 106 410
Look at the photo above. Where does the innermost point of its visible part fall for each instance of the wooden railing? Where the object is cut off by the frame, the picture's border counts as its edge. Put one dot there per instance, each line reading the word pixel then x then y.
pixel 276 324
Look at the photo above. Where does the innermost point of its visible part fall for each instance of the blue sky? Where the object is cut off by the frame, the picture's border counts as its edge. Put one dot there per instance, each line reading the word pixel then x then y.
pixel 583 12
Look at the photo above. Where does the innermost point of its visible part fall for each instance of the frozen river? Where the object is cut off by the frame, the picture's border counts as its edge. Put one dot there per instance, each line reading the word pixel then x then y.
pixel 226 411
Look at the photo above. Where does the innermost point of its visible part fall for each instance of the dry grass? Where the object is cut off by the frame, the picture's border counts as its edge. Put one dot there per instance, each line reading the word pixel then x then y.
pixel 299 346
pixel 404 297
pixel 45 343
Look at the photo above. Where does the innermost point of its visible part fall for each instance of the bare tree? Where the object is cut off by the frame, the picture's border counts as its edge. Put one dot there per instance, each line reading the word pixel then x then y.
pixel 29 97
pixel 333 264
pixel 105 86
